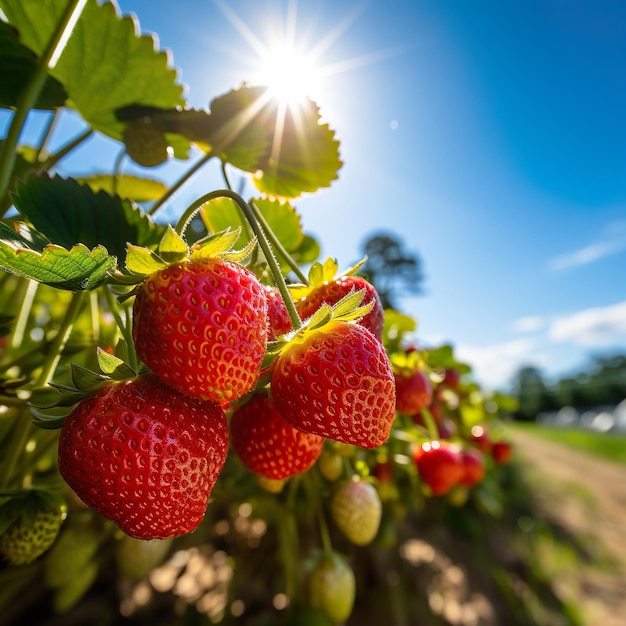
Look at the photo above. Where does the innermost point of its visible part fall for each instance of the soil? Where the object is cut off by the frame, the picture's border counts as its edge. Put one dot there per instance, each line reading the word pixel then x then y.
pixel 586 496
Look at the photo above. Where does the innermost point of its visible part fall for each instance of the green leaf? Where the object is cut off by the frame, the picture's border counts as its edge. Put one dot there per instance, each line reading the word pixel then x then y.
pixel 287 149
pixel 221 214
pixel 114 367
pixel 84 379
pixel 396 326
pixel 125 186
pixel 67 212
pixel 105 66
pixel 308 251
pixel 17 66
pixel 283 220
pixel 143 261
pixel 304 155
pixel 76 269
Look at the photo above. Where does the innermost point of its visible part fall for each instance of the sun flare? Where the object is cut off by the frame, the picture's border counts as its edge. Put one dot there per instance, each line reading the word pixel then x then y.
pixel 289 74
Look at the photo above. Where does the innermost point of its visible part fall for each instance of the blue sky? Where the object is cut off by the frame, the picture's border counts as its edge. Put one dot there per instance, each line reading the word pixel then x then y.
pixel 489 135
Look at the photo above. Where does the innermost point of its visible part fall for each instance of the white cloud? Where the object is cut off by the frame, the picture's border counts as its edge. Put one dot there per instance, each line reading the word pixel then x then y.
pixel 528 324
pixel 595 327
pixel 494 366
pixel 587 255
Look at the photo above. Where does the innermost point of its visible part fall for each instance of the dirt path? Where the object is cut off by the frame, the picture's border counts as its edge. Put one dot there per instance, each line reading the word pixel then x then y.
pixel 587 496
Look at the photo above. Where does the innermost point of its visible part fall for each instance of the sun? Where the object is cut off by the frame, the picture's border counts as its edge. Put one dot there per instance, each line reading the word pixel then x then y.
pixel 290 61
pixel 290 75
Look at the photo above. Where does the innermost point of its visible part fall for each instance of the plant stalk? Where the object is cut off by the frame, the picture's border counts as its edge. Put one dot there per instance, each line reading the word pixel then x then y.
pixel 179 183
pixel 22 426
pixel 279 279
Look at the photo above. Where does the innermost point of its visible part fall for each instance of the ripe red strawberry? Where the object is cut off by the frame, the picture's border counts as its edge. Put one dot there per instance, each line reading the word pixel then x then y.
pixel 356 509
pixel 336 381
pixel 267 444
pixel 473 467
pixel 333 291
pixel 501 451
pixel 414 391
pixel 201 327
pixel 144 456
pixel 332 587
pixel 278 318
pixel 439 465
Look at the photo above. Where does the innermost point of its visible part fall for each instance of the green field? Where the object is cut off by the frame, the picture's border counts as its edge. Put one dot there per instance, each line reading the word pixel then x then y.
pixel 605 445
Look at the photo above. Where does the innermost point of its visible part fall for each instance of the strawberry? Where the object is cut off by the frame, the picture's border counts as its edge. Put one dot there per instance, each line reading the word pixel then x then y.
pixel 501 451
pixel 144 456
pixel 267 444
pixel 414 391
pixel 27 539
pixel 333 291
pixel 201 326
pixel 330 464
pixel 332 587
pixel 439 465
pixel 473 467
pixel 335 381
pixel 278 318
pixel 356 509
pixel 145 143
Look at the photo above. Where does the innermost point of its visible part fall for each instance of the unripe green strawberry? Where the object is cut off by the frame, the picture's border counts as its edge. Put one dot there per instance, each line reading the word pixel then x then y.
pixel 332 587
pixel 144 456
pixel 330 464
pixel 335 381
pixel 25 539
pixel 201 327
pixel 145 144
pixel 269 445
pixel 356 509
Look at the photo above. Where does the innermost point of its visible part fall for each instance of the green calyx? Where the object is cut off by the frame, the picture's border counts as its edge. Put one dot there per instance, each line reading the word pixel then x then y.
pixel 51 405
pixel 321 273
pixel 26 504
pixel 407 363
pixel 173 249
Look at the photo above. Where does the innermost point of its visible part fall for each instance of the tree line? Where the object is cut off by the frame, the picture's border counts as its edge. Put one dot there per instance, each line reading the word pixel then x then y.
pixel 601 383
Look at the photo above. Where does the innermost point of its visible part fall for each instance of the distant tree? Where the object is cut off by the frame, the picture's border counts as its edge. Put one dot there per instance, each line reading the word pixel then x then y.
pixel 392 269
pixel 531 392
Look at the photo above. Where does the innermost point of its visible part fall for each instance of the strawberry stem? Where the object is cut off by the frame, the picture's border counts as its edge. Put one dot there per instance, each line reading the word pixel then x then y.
pixel 262 238
pixel 431 424
pixel 278 245
pixel 22 426
pixel 321 517
pixel 125 329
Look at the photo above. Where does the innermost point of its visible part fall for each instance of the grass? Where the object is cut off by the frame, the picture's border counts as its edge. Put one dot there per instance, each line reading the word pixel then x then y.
pixel 604 445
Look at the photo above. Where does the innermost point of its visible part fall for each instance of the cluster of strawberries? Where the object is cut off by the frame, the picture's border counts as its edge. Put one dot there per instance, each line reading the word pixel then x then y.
pixel 146 453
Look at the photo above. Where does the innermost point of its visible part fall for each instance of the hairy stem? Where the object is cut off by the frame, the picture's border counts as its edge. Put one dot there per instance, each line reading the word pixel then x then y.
pixel 278 245
pixel 279 279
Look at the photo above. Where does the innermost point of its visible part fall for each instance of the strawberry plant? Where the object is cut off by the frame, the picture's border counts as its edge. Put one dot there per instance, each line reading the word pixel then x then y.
pixel 204 395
